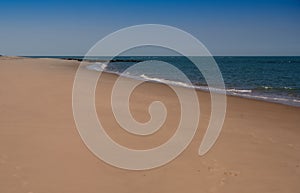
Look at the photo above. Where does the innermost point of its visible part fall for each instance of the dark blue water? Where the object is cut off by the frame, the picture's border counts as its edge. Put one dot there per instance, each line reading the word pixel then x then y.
pixel 274 79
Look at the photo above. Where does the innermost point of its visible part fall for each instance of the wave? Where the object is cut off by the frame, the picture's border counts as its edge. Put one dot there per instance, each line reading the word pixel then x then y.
pixel 270 88
pixel 98 66
pixel 182 84
pixel 239 90
pixel 245 93
pixel 161 80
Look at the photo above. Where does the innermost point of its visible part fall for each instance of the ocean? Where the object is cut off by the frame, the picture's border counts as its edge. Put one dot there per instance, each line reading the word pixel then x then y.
pixel 273 79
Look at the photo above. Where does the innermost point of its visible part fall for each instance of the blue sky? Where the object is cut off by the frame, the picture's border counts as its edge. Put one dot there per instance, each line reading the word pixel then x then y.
pixel 257 27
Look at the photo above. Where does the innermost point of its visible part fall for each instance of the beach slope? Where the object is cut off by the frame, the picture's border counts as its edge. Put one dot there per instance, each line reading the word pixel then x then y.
pixel 42 152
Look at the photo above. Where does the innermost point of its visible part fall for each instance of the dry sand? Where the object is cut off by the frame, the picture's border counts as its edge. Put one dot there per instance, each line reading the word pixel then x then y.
pixel 42 152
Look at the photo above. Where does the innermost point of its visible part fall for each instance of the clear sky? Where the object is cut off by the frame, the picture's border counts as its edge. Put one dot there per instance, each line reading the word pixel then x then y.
pixel 53 27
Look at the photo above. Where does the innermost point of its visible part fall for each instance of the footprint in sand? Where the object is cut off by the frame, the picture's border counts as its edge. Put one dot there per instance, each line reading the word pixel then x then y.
pixel 231 173
pixel 213 166
pixel 211 169
pixel 222 181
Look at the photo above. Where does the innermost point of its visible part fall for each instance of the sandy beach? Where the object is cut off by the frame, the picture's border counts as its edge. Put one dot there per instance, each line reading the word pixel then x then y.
pixel 41 150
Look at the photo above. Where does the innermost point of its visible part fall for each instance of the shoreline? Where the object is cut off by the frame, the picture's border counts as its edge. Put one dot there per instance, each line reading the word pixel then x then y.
pixel 206 90
pixel 229 91
pixel 197 88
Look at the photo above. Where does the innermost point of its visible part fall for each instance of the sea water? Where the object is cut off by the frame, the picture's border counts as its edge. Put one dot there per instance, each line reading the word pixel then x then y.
pixel 273 79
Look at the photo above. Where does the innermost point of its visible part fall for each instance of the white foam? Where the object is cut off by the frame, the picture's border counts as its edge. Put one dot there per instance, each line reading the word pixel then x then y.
pixel 165 81
pixel 246 93
pixel 98 66
pixel 239 91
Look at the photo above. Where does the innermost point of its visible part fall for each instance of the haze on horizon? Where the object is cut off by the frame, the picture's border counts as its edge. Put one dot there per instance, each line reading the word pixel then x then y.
pixel 45 28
